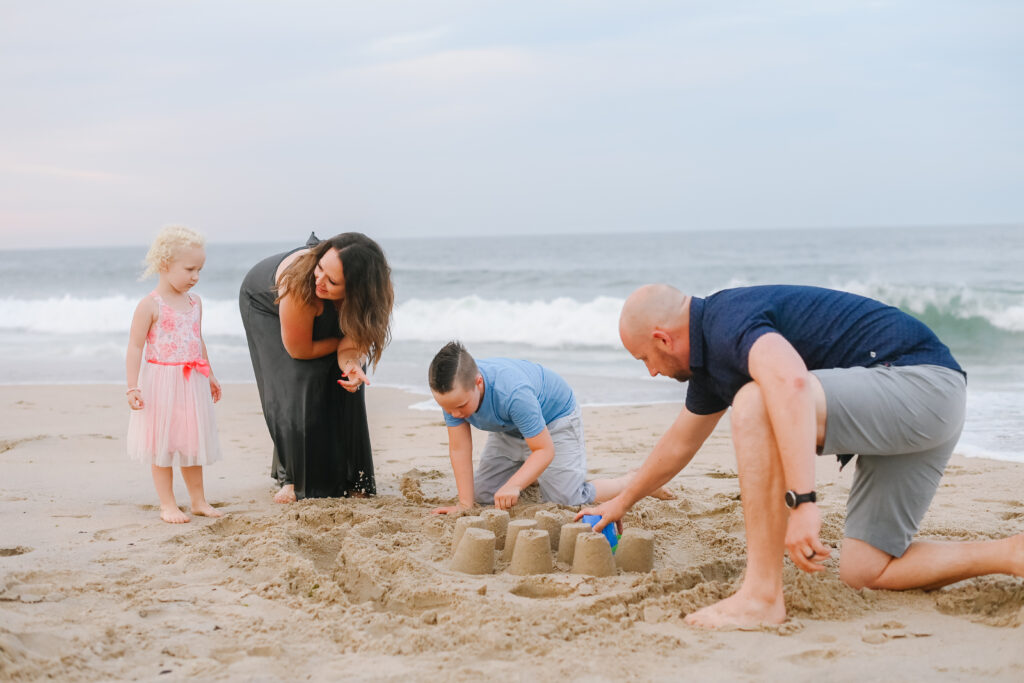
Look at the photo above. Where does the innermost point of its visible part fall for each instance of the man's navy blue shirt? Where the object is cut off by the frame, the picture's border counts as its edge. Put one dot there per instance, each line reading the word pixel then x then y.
pixel 828 328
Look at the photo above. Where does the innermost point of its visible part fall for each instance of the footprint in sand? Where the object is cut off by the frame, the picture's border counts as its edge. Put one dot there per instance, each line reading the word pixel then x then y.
pixel 17 550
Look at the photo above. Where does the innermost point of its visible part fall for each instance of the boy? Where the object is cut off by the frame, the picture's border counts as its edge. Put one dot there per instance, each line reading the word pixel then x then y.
pixel 536 432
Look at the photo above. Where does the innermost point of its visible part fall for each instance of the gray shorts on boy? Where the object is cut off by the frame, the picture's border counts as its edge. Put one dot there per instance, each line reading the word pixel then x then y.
pixel 564 481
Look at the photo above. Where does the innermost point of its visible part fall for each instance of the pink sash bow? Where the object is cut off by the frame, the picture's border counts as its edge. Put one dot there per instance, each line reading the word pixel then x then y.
pixel 202 366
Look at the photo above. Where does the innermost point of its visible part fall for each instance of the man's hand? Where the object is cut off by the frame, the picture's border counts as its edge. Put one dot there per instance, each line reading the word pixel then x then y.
pixel 507 496
pixel 451 509
pixel 352 377
pixel 802 531
pixel 610 511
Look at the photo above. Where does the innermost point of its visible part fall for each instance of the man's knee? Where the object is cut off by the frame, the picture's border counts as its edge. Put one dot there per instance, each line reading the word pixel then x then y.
pixel 748 406
pixel 861 564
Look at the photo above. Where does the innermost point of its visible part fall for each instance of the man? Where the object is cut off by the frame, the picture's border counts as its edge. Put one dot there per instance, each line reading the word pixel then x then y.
pixel 536 432
pixel 810 371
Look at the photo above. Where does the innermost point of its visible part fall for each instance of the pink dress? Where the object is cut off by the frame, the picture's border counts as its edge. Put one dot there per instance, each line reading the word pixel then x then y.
pixel 176 426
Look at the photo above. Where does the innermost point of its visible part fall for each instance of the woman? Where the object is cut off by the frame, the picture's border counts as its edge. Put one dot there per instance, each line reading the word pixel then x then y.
pixel 314 317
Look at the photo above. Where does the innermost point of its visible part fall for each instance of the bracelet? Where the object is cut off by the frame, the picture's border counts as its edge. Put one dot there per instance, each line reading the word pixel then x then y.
pixel 131 390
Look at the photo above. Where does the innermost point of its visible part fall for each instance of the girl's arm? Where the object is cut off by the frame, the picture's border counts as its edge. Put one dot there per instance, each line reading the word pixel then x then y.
pixel 297 331
pixel 215 391
pixel 145 315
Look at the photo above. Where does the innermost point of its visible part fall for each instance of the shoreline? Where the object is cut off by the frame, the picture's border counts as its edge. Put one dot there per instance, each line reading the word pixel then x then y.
pixel 94 586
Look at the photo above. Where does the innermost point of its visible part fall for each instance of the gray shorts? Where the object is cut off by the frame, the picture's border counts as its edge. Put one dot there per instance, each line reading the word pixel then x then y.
pixel 564 481
pixel 903 423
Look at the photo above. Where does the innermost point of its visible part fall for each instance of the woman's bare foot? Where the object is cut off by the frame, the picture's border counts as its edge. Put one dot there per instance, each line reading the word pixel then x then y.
pixel 286 494
pixel 739 611
pixel 173 515
pixel 204 509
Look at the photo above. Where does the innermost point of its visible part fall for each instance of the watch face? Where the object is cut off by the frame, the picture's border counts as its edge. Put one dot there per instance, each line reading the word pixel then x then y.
pixel 790 499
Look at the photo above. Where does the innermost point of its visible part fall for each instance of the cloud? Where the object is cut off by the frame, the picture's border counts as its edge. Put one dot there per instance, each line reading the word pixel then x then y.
pixel 407 42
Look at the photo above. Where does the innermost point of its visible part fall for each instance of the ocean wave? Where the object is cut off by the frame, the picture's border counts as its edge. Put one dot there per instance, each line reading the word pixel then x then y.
pixel 956 313
pixel 562 322
pixel 1000 310
pixel 70 315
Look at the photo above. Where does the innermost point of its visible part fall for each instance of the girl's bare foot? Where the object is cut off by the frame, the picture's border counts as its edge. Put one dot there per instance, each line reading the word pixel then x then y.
pixel 172 515
pixel 285 495
pixel 204 509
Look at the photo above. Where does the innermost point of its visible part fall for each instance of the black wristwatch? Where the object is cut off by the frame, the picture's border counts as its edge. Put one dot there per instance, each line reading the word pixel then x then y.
pixel 794 499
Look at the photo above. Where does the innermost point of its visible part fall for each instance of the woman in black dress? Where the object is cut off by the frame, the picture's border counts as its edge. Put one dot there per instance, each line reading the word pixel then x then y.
pixel 314 318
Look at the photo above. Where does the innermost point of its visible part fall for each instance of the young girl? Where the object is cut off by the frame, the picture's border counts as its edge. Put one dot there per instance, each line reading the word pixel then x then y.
pixel 172 420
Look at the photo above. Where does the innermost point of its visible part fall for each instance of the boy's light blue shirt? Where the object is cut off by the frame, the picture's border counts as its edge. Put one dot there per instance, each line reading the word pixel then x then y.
pixel 520 398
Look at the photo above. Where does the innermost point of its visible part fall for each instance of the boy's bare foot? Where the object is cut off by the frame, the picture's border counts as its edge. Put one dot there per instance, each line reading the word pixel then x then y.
pixel 286 494
pixel 662 493
pixel 172 515
pixel 204 509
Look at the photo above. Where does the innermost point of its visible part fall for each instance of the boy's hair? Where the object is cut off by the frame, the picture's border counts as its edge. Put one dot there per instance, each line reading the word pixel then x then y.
pixel 452 365
pixel 168 241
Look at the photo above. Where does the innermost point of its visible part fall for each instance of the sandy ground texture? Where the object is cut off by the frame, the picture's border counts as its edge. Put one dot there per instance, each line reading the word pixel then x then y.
pixel 93 586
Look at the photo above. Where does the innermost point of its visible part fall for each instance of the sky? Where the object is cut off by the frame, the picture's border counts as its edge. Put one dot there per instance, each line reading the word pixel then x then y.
pixel 259 121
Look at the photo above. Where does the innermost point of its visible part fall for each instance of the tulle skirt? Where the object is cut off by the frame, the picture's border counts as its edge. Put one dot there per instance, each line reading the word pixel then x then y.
pixel 176 426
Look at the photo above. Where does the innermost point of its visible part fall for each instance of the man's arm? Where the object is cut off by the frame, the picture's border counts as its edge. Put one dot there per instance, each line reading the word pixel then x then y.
pixel 674 451
pixel 542 452
pixel 460 451
pixel 789 398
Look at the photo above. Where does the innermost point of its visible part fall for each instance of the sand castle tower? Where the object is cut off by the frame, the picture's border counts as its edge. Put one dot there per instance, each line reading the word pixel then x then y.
pixel 475 554
pixel 532 553
pixel 593 555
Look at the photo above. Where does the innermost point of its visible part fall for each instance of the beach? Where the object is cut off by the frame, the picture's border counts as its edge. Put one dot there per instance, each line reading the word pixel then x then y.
pixel 93 586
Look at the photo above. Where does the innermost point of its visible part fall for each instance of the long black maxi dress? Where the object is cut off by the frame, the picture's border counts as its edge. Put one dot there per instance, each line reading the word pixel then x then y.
pixel 320 434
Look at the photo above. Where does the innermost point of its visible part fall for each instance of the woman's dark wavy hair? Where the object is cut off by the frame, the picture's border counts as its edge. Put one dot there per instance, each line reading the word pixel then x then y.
pixel 365 313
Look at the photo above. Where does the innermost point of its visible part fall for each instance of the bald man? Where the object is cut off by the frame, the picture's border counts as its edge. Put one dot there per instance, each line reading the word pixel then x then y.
pixel 810 371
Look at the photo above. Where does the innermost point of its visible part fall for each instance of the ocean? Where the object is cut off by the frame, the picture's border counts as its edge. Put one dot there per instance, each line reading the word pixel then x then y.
pixel 554 299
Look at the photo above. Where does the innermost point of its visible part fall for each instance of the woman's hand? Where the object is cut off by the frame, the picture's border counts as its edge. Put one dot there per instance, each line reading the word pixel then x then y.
pixel 352 377
pixel 215 390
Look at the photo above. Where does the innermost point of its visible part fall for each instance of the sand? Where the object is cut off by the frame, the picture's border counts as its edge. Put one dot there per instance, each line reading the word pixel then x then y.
pixel 93 586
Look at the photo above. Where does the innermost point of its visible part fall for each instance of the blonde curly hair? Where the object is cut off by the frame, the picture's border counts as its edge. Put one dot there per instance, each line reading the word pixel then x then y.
pixel 166 245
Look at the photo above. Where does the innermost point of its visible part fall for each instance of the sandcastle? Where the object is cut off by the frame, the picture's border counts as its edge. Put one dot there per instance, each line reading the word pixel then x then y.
pixel 514 527
pixel 551 523
pixel 475 553
pixel 593 555
pixel 463 523
pixel 497 521
pixel 527 546
pixel 532 554
pixel 567 540
pixel 635 552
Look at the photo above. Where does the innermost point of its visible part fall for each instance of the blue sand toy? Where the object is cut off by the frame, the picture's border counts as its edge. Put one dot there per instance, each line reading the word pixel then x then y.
pixel 608 531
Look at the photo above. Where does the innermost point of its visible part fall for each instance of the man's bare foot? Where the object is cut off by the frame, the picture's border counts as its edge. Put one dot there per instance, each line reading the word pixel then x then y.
pixel 739 611
pixel 286 494
pixel 358 494
pixel 204 509
pixel 172 515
